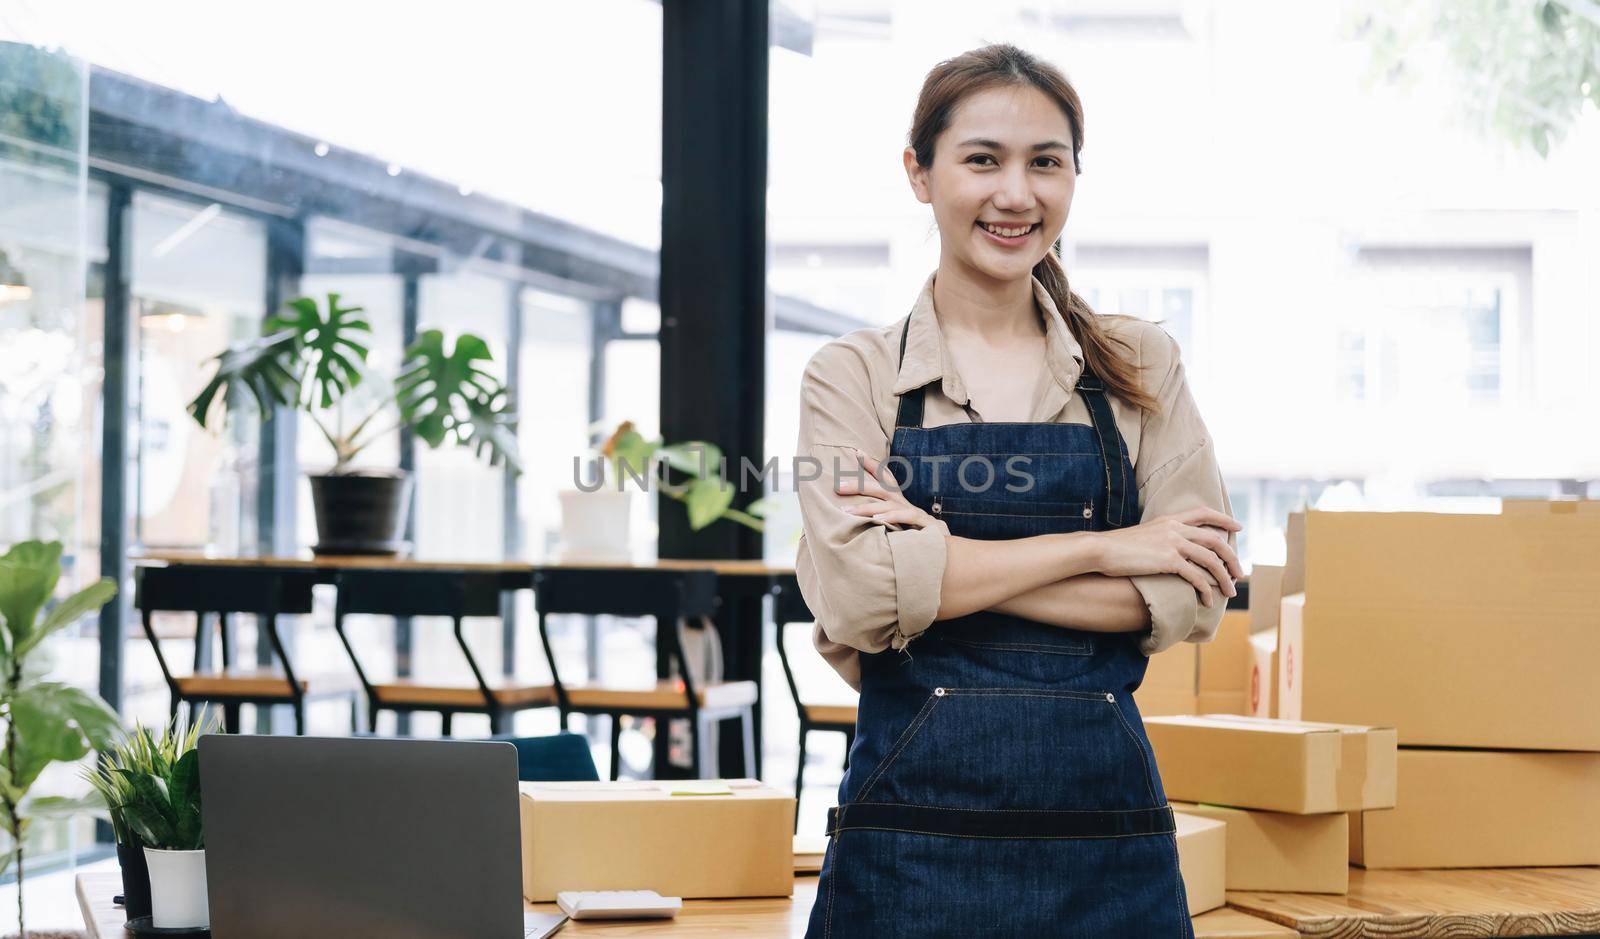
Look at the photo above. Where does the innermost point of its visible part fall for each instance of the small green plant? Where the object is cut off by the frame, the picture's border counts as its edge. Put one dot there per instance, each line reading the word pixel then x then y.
pixel 707 496
pixel 312 359
pixel 152 786
pixel 45 721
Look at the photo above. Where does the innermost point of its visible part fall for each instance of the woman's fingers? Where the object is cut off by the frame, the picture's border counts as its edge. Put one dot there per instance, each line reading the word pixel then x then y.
pixel 1211 539
pixel 1197 579
pixel 904 516
pixel 1207 561
pixel 1207 516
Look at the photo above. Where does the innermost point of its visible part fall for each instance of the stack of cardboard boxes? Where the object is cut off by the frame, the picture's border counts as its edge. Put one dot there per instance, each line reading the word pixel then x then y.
pixel 1201 678
pixel 1283 789
pixel 1478 638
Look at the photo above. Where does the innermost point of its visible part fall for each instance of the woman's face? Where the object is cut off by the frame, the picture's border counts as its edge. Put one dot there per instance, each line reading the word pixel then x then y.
pixel 1004 163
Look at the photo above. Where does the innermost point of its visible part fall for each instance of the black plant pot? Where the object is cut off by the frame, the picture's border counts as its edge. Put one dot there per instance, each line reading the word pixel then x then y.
pixel 361 513
pixel 135 879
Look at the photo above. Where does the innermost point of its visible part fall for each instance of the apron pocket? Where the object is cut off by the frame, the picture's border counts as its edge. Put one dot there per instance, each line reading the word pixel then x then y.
pixel 1016 749
pixel 1014 517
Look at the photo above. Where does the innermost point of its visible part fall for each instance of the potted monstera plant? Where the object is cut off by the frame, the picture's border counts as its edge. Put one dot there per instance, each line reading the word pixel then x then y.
pixel 314 358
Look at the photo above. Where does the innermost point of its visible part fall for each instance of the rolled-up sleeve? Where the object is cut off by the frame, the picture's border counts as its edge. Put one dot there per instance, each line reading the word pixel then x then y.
pixel 870 588
pixel 1176 470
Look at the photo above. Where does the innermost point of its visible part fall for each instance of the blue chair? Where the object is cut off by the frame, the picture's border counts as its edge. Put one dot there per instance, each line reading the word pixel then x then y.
pixel 562 757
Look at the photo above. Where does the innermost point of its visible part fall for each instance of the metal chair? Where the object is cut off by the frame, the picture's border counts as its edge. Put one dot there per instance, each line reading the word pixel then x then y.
pixel 671 597
pixel 225 593
pixel 456 595
pixel 789 607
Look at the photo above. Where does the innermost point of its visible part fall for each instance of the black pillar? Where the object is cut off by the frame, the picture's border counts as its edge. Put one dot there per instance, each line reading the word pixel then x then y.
pixel 713 283
pixel 117 358
pixel 278 467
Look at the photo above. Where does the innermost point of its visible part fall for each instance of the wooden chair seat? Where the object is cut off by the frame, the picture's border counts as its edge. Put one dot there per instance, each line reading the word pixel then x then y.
pixel 831 713
pixel 421 693
pixel 663 696
pixel 238 683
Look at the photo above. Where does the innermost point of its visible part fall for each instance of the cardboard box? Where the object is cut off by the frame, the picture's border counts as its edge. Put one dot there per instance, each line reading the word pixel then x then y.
pixel 1266 589
pixel 1281 766
pixel 1485 808
pixel 1223 702
pixel 642 836
pixel 1261 692
pixel 1459 630
pixel 1169 681
pixel 1282 852
pixel 1223 665
pixel 1548 506
pixel 1202 861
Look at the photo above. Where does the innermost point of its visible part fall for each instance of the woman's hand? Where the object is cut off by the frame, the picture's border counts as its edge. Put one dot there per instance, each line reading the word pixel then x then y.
pixel 888 505
pixel 1192 544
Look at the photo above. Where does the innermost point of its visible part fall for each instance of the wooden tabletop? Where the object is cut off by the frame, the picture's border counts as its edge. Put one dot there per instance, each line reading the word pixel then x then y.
pixel 728 567
pixel 1532 901
pixel 767 918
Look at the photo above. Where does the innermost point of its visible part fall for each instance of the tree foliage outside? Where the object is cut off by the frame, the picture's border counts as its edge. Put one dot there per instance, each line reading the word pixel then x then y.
pixel 1525 70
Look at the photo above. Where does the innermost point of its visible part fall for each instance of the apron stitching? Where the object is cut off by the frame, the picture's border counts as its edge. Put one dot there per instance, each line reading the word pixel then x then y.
pixel 1034 693
pixel 900 745
pixel 955 808
pixel 1134 739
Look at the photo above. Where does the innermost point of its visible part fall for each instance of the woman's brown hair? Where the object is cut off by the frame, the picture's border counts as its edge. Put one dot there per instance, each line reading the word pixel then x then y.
pixel 1002 65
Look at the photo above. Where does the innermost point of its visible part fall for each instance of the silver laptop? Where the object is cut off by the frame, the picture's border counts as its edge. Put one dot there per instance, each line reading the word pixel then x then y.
pixel 340 837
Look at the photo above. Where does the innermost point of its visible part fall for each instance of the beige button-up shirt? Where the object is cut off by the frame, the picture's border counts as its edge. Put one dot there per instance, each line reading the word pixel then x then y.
pixel 872 588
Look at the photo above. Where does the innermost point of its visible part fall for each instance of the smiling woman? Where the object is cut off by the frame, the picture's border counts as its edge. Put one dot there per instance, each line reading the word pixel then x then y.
pixel 1000 782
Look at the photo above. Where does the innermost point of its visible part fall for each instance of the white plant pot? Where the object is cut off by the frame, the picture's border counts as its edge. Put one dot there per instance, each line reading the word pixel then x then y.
pixel 595 524
pixel 177 889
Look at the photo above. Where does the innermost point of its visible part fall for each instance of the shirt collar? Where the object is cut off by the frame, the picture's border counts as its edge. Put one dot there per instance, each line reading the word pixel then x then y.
pixel 928 356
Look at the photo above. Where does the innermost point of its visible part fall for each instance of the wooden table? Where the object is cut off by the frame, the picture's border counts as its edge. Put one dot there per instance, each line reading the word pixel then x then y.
pixel 766 918
pixel 741 584
pixel 1530 901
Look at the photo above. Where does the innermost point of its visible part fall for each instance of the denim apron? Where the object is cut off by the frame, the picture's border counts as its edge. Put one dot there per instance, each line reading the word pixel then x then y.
pixel 1000 782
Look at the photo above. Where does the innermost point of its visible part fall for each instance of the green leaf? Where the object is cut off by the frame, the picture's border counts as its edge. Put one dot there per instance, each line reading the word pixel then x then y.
pixel 334 354
pixel 707 498
pixel 28 575
pixel 493 430
pixel 268 367
pixel 185 793
pixel 45 734
pixel 761 507
pixel 444 394
pixel 149 811
pixel 56 723
pixel 64 806
pixel 695 457
pixel 68 611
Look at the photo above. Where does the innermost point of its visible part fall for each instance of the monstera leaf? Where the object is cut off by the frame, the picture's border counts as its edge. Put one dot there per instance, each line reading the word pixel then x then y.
pixel 263 366
pixel 332 350
pixel 303 357
pixel 445 394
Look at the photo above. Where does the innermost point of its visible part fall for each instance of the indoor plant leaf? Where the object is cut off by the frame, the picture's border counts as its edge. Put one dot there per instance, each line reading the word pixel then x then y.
pixel 706 498
pixel 28 575
pixel 267 366
pixel 695 457
pixel 436 385
pixel 334 352
pixel 68 611
pixel 44 734
pixel 64 806
pixel 494 428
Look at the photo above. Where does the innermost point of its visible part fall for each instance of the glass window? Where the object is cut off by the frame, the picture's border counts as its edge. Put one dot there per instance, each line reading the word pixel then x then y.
pixel 198 280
